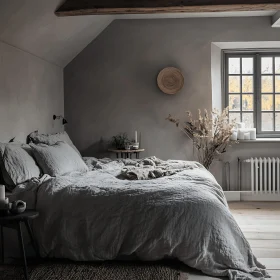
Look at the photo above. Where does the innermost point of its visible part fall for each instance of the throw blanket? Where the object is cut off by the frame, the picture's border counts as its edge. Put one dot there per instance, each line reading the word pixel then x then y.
pixel 151 168
pixel 96 216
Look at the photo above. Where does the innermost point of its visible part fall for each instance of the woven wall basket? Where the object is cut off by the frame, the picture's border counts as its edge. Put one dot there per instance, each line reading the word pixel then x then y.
pixel 170 80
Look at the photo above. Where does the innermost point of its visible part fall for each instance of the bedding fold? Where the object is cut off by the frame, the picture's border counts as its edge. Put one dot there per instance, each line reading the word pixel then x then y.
pixel 96 216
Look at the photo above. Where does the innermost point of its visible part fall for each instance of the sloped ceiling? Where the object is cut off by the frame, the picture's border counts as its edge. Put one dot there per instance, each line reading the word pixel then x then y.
pixel 32 26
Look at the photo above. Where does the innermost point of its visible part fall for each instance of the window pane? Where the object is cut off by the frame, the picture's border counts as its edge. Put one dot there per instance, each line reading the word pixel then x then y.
pixel 234 84
pixel 267 121
pixel 267 84
pixel 277 102
pixel 234 102
pixel 277 65
pixel 234 117
pixel 247 102
pixel 277 83
pixel 267 65
pixel 248 118
pixel 247 84
pixel 267 102
pixel 277 122
pixel 247 65
pixel 234 65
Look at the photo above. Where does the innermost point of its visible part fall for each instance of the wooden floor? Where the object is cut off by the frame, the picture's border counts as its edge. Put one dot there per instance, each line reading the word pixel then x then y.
pixel 260 222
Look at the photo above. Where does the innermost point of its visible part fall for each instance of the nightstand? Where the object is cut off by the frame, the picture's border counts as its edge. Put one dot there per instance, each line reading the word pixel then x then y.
pixel 126 153
pixel 15 221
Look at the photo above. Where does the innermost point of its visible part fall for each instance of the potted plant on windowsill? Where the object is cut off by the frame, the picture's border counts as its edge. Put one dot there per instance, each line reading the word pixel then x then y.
pixel 210 133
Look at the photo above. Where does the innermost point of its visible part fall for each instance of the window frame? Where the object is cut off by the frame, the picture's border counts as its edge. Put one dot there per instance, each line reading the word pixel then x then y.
pixel 257 55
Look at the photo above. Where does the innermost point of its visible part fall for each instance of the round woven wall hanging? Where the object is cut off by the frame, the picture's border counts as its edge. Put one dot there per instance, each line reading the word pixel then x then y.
pixel 170 80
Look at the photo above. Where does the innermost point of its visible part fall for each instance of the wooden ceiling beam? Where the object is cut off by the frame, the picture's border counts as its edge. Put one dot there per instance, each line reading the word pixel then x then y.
pixel 101 7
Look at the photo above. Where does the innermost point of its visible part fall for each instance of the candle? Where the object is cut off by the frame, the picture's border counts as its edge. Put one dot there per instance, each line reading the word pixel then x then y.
pixel 247 136
pixel 136 136
pixel 2 193
pixel 253 134
pixel 234 135
pixel 240 125
pixel 240 134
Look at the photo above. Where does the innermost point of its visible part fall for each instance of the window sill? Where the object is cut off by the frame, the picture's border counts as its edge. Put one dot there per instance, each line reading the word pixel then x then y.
pixel 261 140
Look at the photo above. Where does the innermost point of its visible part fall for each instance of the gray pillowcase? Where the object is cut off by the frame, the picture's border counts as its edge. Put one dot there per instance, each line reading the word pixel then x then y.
pixel 51 139
pixel 58 159
pixel 17 164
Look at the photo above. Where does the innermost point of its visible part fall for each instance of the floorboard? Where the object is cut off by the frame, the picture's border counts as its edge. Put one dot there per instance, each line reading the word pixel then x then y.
pixel 271 263
pixel 260 223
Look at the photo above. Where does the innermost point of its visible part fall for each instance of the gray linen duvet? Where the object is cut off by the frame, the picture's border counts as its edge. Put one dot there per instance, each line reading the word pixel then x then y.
pixel 96 216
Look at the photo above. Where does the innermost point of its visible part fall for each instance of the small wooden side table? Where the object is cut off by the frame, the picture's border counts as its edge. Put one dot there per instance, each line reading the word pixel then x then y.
pixel 127 153
pixel 15 221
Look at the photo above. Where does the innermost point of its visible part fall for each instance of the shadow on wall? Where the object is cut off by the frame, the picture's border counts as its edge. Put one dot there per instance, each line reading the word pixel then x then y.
pixel 98 149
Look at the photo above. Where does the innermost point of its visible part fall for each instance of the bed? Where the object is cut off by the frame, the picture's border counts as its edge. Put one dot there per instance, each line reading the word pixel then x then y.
pixel 148 209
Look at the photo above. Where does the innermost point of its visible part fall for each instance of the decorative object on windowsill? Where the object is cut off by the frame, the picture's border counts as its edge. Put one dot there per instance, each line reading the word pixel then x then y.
pixel 244 133
pixel 211 134
pixel 240 125
pixel 170 80
pixel 121 142
pixel 234 135
pixel 64 121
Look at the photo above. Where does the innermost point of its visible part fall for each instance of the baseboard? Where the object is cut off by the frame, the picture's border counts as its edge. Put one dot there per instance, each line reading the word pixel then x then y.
pixel 250 196
pixel 233 196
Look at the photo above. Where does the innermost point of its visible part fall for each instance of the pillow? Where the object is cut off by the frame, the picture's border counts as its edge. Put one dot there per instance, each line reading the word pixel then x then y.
pixel 51 139
pixel 2 182
pixel 58 159
pixel 17 164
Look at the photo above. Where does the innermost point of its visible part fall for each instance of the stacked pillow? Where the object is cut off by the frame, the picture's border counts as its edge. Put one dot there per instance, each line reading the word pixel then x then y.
pixel 58 159
pixel 20 163
pixel 17 164
pixel 50 139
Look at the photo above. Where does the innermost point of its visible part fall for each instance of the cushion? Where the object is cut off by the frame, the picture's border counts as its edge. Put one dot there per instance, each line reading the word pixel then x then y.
pixel 58 159
pixel 50 139
pixel 2 182
pixel 17 164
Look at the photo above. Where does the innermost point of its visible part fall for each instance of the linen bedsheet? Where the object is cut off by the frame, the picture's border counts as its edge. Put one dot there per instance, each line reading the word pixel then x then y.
pixel 95 216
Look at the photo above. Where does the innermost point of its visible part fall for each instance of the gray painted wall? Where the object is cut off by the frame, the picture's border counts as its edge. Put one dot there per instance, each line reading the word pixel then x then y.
pixel 31 91
pixel 111 86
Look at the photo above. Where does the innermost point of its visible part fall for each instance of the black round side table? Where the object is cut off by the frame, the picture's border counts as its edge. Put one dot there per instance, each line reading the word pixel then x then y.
pixel 15 221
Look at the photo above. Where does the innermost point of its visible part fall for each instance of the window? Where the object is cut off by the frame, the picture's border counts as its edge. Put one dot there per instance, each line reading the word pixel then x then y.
pixel 252 86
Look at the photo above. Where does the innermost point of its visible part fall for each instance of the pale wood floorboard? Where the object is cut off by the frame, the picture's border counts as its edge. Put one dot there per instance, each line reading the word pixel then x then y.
pixel 260 222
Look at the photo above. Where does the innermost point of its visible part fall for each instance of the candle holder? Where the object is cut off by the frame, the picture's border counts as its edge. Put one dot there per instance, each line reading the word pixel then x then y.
pixel 135 146
pixel 4 207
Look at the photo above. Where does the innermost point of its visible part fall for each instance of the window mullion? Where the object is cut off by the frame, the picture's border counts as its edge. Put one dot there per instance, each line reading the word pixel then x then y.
pixel 273 82
pixel 241 93
pixel 258 92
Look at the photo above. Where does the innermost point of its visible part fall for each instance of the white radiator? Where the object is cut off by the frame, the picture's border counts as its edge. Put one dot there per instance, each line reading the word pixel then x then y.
pixel 265 175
